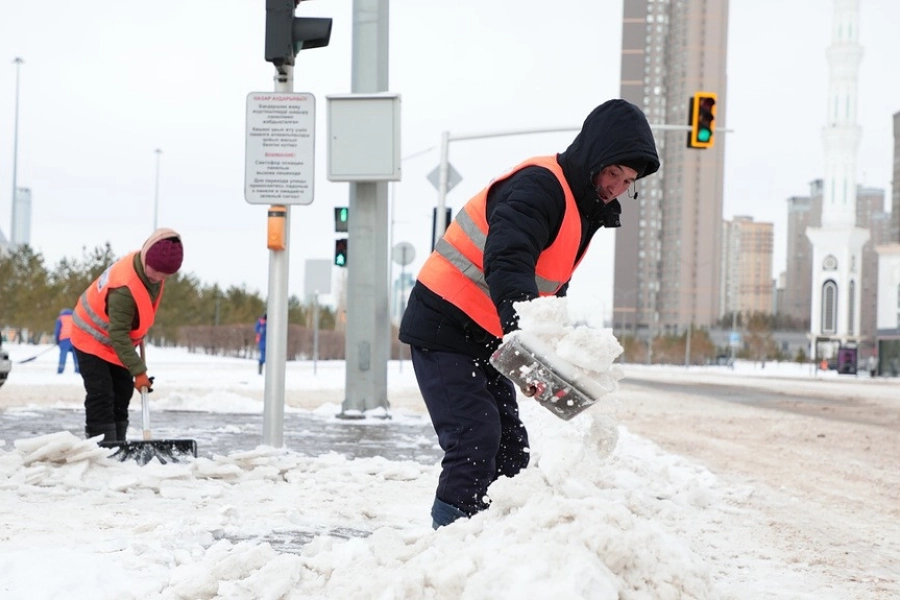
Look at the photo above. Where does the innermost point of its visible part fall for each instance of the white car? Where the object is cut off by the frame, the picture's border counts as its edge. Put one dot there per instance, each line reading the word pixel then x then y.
pixel 5 365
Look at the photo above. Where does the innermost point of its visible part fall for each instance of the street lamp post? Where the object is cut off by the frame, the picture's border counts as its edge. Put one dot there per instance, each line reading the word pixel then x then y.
pixel 13 233
pixel 156 194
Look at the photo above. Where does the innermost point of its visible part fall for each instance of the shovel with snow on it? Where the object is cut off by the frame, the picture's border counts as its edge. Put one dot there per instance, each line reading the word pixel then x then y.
pixel 556 383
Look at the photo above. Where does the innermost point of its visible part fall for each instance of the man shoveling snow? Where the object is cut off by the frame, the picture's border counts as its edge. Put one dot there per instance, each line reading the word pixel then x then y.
pixel 518 239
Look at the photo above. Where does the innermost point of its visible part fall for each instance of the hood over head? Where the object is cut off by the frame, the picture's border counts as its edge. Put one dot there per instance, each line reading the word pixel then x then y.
pixel 615 133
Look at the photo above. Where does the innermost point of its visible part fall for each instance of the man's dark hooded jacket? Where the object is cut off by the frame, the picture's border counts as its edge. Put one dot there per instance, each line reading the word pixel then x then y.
pixel 524 213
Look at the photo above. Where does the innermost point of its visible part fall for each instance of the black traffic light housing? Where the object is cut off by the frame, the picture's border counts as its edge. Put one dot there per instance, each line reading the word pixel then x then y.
pixel 448 218
pixel 341 219
pixel 340 252
pixel 286 35
pixel 702 117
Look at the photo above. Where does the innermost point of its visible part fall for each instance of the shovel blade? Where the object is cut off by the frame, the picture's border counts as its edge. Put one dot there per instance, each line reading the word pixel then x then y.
pixel 143 451
pixel 526 364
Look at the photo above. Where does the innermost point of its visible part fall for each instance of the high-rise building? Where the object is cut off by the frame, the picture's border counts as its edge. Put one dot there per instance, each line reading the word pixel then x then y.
pixel 668 250
pixel 870 214
pixel 895 184
pixel 887 321
pixel 748 266
pixel 803 212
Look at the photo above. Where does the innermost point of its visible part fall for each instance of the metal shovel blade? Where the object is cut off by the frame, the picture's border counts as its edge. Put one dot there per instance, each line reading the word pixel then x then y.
pixel 528 364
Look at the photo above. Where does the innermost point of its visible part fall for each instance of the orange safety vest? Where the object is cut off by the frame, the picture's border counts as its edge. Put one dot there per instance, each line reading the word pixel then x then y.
pixel 455 270
pixel 65 327
pixel 90 322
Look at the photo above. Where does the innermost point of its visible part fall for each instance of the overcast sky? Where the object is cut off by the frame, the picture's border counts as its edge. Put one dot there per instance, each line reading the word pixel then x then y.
pixel 106 83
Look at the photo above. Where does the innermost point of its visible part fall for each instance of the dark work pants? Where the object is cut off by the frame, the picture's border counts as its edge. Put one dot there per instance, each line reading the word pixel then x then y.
pixel 476 418
pixel 108 390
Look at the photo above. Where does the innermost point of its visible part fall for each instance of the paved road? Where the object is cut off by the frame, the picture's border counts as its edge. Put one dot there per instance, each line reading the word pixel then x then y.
pixel 849 409
pixel 224 433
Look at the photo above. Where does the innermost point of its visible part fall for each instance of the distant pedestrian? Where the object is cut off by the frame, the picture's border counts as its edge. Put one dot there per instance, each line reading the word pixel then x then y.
pixel 261 340
pixel 111 318
pixel 872 365
pixel 63 335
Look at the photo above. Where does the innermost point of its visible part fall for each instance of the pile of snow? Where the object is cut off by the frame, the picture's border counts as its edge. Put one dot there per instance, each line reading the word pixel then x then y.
pixel 273 524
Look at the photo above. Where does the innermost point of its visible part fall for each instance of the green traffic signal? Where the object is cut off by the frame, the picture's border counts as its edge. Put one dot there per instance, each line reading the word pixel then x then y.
pixel 341 217
pixel 340 252
pixel 701 120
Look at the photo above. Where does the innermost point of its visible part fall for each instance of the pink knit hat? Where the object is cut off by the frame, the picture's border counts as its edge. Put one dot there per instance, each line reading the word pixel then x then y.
pixel 163 251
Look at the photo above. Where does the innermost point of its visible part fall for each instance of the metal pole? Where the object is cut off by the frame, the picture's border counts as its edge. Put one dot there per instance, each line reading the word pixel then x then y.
pixel 13 229
pixel 368 330
pixel 733 330
pixel 156 194
pixel 443 176
pixel 277 314
pixel 402 307
pixel 315 330
pixel 687 346
pixel 393 211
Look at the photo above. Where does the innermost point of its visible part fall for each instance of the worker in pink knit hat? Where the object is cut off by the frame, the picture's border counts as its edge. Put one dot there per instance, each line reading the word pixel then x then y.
pixel 110 321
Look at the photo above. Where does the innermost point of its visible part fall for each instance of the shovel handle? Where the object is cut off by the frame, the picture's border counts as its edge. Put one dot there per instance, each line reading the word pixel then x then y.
pixel 145 400
pixel 145 412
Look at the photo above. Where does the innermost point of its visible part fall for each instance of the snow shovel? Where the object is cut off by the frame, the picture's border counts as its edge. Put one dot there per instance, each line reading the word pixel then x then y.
pixel 41 353
pixel 143 451
pixel 557 385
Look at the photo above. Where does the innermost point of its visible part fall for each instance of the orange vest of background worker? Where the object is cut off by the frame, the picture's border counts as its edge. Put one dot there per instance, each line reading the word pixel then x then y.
pixel 455 270
pixel 63 335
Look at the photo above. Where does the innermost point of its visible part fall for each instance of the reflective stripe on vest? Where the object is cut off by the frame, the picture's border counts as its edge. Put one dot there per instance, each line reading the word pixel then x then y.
pixel 455 270
pixel 90 322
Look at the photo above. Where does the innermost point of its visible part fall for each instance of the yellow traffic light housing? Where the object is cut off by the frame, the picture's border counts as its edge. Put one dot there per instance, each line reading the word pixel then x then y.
pixel 702 113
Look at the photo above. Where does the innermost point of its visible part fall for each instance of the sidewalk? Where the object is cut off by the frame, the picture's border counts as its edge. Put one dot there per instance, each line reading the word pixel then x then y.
pixel 409 438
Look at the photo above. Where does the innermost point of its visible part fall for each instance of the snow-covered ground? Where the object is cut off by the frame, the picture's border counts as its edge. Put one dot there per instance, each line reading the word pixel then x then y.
pixel 581 522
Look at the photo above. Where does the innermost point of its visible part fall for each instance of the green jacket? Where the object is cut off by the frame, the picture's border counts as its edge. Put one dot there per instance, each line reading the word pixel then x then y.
pixel 123 318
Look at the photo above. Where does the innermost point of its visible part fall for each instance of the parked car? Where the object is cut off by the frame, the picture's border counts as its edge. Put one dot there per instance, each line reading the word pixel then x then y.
pixel 5 364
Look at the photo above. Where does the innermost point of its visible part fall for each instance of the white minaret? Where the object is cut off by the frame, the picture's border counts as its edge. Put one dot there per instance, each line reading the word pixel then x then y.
pixel 837 244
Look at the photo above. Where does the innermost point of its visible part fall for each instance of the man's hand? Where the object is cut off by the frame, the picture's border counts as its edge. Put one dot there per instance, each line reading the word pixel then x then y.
pixel 142 381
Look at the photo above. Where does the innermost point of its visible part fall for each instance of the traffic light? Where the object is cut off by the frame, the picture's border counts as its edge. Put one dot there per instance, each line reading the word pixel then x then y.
pixel 341 213
pixel 702 113
pixel 340 252
pixel 448 217
pixel 286 35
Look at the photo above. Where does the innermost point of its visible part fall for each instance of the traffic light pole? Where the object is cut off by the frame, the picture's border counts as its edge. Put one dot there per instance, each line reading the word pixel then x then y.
pixel 277 313
pixel 447 137
pixel 368 330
